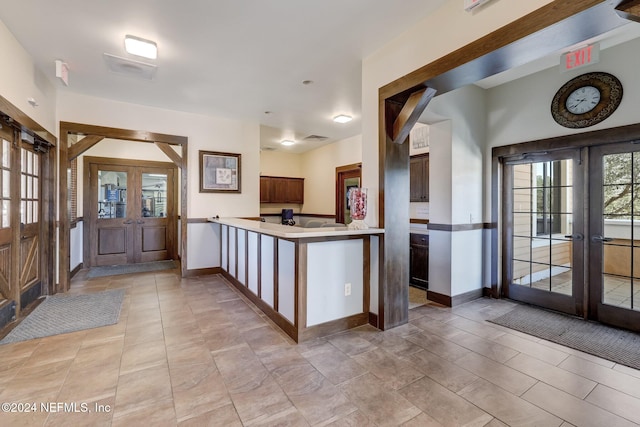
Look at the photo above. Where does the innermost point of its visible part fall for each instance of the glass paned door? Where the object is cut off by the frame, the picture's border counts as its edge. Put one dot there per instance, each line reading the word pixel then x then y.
pixel 543 230
pixel 615 235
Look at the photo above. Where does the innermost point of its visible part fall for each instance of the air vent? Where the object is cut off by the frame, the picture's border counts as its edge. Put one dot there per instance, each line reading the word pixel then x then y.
pixel 265 148
pixel 120 65
pixel 315 138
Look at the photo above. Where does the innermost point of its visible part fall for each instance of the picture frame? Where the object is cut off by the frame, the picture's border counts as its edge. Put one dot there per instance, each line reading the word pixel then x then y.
pixel 219 172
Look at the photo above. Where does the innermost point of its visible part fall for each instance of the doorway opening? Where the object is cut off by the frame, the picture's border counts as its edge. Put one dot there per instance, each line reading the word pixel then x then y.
pixel 347 177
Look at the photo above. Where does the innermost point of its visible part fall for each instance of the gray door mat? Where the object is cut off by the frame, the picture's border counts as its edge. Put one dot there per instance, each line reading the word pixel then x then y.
pixel 143 267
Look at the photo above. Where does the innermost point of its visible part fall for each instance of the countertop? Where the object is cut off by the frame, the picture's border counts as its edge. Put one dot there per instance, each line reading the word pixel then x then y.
pixel 292 232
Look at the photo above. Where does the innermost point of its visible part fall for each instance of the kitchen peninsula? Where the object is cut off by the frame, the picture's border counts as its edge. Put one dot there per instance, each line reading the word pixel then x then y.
pixel 311 282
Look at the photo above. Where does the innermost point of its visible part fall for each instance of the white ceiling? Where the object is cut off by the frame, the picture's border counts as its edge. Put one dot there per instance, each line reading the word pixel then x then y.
pixel 228 58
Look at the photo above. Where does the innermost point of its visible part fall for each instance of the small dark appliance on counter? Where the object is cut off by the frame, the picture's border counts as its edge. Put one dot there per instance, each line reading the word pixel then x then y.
pixel 287 217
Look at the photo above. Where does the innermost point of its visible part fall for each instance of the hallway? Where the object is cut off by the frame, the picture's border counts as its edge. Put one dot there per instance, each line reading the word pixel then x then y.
pixel 194 352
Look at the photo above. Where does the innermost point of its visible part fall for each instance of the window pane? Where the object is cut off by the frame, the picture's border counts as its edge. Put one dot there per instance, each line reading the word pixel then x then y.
pixel 6 213
pixel 154 195
pixel 617 168
pixel 6 154
pixel 35 188
pixel 36 161
pixel 35 211
pixel 6 184
pixel 23 191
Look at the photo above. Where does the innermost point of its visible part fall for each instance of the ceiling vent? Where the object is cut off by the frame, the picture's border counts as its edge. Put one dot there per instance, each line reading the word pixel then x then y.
pixel 267 148
pixel 315 138
pixel 120 65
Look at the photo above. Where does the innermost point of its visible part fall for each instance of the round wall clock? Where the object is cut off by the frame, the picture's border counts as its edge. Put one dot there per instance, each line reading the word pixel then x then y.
pixel 586 100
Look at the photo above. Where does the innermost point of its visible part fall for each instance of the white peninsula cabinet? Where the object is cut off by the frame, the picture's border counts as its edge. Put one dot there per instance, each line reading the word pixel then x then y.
pixel 310 281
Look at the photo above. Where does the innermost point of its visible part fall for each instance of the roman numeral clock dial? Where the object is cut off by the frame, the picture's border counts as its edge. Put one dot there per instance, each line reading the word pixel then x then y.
pixel 586 100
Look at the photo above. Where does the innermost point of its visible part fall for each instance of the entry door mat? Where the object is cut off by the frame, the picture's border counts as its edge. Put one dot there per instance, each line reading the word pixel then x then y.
pixel 143 267
pixel 60 314
pixel 609 343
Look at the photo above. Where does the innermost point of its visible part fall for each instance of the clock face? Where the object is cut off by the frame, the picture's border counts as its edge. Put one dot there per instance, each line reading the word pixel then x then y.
pixel 586 100
pixel 583 100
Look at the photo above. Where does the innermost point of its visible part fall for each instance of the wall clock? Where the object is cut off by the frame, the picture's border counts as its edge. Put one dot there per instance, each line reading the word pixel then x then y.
pixel 586 100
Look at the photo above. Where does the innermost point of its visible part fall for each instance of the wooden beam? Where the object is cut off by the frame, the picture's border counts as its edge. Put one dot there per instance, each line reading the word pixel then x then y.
pixel 630 10
pixel 410 113
pixel 83 145
pixel 127 134
pixel 166 149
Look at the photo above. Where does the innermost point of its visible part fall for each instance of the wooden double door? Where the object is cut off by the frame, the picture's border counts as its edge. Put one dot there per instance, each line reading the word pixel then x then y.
pixel 130 210
pixel 572 231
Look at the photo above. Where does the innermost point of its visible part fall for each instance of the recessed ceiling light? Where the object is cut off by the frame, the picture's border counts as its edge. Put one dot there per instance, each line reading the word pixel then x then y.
pixel 287 142
pixel 140 47
pixel 342 118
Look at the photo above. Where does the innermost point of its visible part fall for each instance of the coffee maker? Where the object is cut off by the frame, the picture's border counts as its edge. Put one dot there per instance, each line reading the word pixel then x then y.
pixel 287 217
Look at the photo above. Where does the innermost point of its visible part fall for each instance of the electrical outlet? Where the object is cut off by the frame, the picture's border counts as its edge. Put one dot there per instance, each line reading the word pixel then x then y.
pixel 347 289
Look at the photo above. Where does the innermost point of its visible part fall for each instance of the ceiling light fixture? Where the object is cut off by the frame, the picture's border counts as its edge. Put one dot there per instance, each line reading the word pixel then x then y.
pixel 140 47
pixel 342 118
pixel 287 142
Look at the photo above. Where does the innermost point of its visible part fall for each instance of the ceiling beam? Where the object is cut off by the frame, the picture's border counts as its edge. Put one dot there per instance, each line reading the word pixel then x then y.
pixel 410 113
pixel 83 145
pixel 629 10
pixel 166 149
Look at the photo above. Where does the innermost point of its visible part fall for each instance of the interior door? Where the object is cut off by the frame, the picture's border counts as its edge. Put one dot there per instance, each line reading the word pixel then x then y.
pixel 7 288
pixel 347 177
pixel 154 231
pixel 543 230
pixel 615 235
pixel 30 221
pixel 113 216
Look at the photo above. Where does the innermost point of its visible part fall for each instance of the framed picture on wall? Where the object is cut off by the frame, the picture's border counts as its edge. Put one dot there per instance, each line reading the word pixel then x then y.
pixel 219 172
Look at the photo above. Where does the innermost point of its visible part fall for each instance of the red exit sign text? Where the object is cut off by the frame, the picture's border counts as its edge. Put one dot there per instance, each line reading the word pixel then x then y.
pixel 581 57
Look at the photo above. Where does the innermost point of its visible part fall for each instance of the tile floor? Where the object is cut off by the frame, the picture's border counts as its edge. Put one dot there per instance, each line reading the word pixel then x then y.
pixel 193 352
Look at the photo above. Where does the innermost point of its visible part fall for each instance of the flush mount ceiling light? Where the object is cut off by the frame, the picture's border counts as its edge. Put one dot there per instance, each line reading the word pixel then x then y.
pixel 342 118
pixel 287 142
pixel 140 47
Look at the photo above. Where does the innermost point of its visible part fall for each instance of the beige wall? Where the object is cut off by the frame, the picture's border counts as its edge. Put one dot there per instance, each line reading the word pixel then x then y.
pixel 278 163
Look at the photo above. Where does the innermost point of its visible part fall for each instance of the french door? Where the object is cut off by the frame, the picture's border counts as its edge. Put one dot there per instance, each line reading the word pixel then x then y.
pixel 574 246
pixel 544 230
pixel 131 213
pixel 614 288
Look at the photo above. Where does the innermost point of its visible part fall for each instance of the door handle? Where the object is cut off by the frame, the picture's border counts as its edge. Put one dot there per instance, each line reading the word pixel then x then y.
pixel 129 221
pixel 598 238
pixel 577 236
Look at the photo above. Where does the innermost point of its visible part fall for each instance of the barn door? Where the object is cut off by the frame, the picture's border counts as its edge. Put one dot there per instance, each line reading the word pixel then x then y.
pixel 8 292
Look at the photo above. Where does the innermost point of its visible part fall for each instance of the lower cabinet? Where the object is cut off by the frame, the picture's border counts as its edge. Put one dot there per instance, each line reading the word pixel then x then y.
pixel 419 260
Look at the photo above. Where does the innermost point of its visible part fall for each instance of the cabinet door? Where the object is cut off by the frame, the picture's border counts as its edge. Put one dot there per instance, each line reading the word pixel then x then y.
pixel 415 179
pixel 265 189
pixel 295 190
pixel 419 261
pixel 279 190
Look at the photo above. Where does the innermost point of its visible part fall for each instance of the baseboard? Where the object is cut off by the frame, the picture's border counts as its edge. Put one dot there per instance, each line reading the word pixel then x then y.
pixel 203 271
pixel 373 319
pixel 448 301
pixel 75 270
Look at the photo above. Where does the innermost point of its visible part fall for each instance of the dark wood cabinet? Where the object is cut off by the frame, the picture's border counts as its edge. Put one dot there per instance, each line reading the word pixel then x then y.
pixel 419 260
pixel 275 189
pixel 419 178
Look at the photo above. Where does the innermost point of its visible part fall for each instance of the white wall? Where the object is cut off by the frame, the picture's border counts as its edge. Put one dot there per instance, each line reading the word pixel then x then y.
pixel 21 80
pixel 319 168
pixel 444 31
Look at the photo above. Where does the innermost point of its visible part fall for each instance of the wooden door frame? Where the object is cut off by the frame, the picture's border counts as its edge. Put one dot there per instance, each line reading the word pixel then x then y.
pixel 525 39
pixel 19 121
pixel 342 170
pixel 92 135
pixel 87 207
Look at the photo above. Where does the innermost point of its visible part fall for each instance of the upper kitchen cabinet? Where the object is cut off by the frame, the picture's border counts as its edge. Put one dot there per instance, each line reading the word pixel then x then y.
pixel 274 189
pixel 419 178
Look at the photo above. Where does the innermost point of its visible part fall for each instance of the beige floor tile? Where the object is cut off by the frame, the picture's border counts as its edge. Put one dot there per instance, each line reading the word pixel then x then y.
pixel 354 419
pixel 627 370
pixel 333 363
pixel 89 384
pixel 600 374
pixel 396 373
pixel 552 375
pixel 617 402
pixel 383 406
pixel 99 414
pixel 490 349
pixel 496 373
pixel 225 416
pixel 351 343
pixel 446 373
pixel 188 354
pixel 534 349
pixel 436 327
pixel 506 407
pixel 437 345
pixel 422 420
pixel 394 343
pixel 570 408
pixel 258 402
pixel 263 337
pixel 482 329
pixel 143 334
pixel 143 356
pixel 223 337
pixel 197 389
pixel 443 405
pixel 141 389
pixel 159 413
pixel 40 381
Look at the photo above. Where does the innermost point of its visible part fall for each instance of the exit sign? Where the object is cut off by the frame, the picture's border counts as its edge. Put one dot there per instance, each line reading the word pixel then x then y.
pixel 582 57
